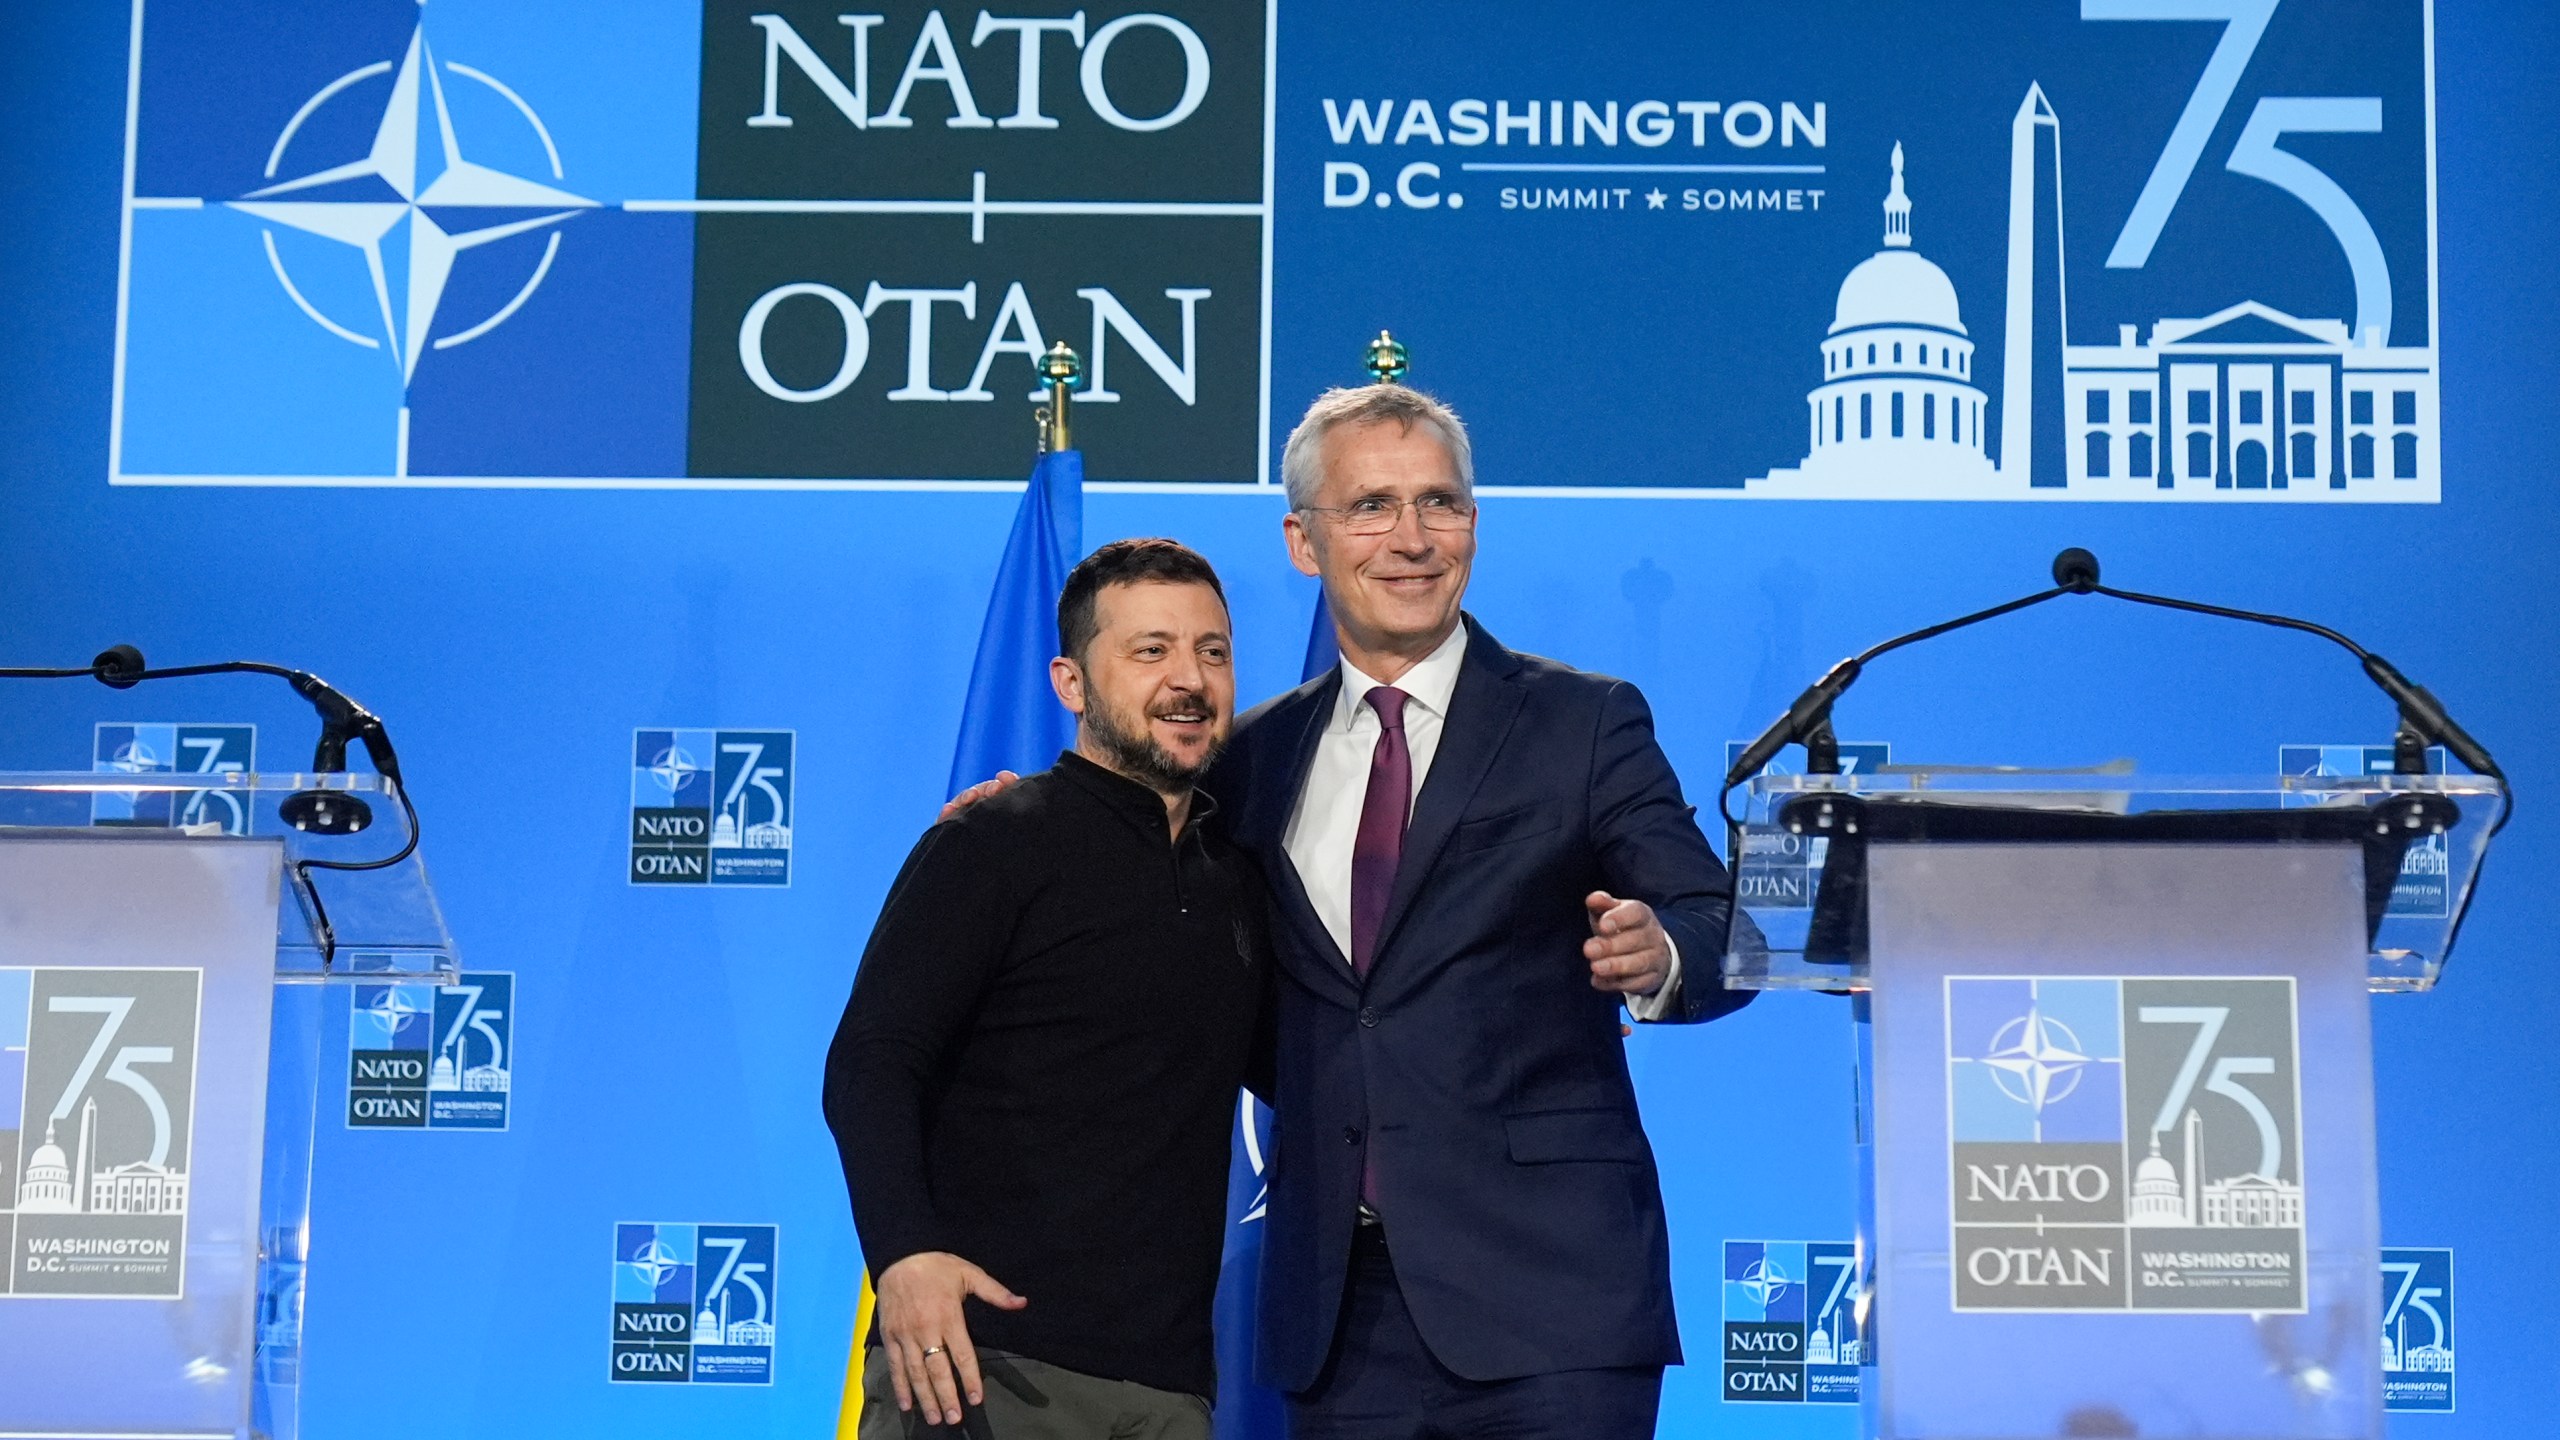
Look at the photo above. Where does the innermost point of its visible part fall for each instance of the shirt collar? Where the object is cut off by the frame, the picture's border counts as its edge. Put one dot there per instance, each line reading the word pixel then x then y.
pixel 1430 683
pixel 1129 799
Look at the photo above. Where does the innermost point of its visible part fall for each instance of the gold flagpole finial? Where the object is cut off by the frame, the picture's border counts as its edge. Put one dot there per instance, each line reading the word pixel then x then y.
pixel 1386 360
pixel 1060 371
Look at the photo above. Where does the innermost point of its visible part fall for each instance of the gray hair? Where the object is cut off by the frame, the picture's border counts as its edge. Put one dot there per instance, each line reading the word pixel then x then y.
pixel 1302 462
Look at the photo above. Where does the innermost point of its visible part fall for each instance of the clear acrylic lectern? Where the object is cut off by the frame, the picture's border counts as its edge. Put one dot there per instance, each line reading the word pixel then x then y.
pixel 2115 1101
pixel 164 969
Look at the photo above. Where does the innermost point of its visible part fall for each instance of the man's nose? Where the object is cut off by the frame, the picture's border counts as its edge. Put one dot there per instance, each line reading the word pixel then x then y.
pixel 1410 536
pixel 1186 674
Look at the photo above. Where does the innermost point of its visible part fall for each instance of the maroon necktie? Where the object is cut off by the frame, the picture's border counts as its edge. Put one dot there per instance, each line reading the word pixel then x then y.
pixel 1383 811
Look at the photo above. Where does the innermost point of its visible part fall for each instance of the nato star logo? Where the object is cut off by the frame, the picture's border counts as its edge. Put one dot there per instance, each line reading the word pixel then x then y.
pixel 2036 1060
pixel 134 758
pixel 673 768
pixel 392 1009
pixel 656 1262
pixel 1764 1279
pixel 411 206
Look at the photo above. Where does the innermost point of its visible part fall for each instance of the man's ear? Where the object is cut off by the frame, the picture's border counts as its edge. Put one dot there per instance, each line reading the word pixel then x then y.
pixel 1302 545
pixel 1067 679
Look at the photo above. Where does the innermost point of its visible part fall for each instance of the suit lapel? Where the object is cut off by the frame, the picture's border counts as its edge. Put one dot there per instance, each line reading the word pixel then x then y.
pixel 1297 729
pixel 1480 713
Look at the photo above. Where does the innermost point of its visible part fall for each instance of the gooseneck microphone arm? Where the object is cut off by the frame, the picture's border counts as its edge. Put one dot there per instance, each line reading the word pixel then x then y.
pixel 2423 718
pixel 122 667
pixel 1808 720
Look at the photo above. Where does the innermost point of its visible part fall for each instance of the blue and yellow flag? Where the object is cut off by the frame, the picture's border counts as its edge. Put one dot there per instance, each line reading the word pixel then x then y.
pixel 1323 650
pixel 1012 720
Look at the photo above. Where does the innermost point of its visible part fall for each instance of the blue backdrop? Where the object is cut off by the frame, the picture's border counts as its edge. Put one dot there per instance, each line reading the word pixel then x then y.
pixel 668 1039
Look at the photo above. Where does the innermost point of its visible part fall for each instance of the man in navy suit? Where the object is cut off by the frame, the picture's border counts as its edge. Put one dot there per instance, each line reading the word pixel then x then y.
pixel 1477 856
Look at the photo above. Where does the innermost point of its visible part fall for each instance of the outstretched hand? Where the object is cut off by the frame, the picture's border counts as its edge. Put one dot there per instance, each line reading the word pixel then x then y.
pixel 931 1362
pixel 1629 950
pixel 1005 779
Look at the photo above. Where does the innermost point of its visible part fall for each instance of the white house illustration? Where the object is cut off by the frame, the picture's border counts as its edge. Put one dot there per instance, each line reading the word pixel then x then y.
pixel 2247 398
pixel 2247 402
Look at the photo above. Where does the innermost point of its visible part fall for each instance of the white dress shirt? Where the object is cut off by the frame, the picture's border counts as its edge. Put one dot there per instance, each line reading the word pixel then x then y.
pixel 1325 825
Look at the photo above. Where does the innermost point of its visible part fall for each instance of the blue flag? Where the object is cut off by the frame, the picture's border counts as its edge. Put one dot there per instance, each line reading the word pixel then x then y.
pixel 1323 650
pixel 1012 720
pixel 1247 1411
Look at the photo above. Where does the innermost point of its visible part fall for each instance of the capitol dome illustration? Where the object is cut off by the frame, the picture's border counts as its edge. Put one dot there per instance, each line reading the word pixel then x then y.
pixel 2158 1197
pixel 1898 286
pixel 1897 398
pixel 1897 410
pixel 47 1184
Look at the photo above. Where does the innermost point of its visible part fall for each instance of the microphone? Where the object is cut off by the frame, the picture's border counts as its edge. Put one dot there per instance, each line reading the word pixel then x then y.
pixel 2076 570
pixel 318 812
pixel 118 667
pixel 1810 710
pixel 322 812
pixel 2424 721
pixel 1808 720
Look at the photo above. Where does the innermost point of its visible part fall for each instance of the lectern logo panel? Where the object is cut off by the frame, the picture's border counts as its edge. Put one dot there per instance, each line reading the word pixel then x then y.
pixel 97 1082
pixel 2125 1144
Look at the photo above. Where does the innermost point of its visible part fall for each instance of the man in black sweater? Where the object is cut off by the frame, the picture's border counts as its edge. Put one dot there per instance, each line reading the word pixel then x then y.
pixel 1033 1085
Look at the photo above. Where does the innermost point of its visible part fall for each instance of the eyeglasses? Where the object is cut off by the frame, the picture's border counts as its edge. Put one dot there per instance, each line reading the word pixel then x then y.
pixel 1376 514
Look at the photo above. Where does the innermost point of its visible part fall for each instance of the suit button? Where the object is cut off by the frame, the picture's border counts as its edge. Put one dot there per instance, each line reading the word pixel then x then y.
pixel 1369 1017
pixel 1350 1134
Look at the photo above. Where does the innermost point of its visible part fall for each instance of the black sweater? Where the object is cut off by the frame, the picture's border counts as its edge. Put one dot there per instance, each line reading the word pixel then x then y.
pixel 1039 1066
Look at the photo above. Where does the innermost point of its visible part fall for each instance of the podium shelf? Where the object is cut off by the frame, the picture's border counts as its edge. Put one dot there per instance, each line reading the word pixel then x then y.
pixel 1804 842
pixel 339 925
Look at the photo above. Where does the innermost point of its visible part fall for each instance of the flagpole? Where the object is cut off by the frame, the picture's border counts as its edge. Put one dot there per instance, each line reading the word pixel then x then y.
pixel 1387 362
pixel 1060 372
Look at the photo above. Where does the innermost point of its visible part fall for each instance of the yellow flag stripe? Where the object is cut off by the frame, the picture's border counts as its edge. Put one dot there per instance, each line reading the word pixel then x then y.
pixel 849 1411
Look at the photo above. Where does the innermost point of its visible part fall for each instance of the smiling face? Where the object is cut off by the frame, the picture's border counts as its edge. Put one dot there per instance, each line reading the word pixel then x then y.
pixel 1394 594
pixel 1155 690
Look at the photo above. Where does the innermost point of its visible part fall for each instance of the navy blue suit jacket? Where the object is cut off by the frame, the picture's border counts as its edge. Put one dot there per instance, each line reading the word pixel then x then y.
pixel 1476 1059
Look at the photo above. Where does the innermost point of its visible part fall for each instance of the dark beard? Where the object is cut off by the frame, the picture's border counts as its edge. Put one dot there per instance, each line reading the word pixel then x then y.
pixel 1138 755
